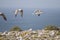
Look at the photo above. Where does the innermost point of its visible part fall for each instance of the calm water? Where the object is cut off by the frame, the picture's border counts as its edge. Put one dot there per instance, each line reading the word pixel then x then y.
pixel 49 17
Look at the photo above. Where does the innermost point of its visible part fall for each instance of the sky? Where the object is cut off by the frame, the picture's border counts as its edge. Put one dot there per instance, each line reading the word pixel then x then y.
pixel 30 3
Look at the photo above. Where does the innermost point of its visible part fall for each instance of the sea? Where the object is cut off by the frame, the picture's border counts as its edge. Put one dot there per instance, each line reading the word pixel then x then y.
pixel 50 16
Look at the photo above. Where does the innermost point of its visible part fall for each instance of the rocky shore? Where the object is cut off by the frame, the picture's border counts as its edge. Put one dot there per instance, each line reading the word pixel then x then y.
pixel 31 35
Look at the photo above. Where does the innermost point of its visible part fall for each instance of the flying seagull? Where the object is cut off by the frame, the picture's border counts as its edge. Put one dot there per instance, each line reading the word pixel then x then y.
pixel 2 14
pixel 38 12
pixel 19 11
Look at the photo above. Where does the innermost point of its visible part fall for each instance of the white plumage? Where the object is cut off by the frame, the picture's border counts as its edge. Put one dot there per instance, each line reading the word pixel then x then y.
pixel 19 11
pixel 37 12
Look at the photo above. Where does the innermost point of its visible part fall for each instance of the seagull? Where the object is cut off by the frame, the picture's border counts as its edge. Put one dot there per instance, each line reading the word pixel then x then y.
pixel 38 12
pixel 19 11
pixel 2 14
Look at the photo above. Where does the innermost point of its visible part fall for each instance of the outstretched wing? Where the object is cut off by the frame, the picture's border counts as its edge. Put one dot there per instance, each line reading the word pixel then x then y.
pixel 16 12
pixel 3 16
pixel 36 11
pixel 21 13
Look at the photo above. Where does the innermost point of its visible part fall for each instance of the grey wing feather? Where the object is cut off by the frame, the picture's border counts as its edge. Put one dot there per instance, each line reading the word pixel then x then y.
pixel 21 13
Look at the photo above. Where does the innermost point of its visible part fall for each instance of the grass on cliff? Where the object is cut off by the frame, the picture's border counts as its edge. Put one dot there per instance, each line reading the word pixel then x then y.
pixel 16 28
pixel 51 27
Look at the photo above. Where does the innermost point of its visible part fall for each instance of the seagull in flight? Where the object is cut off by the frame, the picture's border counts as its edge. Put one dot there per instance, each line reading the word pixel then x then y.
pixel 4 17
pixel 19 11
pixel 37 12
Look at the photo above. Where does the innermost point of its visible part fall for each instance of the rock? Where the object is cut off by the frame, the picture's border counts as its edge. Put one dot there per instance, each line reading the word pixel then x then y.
pixel 31 35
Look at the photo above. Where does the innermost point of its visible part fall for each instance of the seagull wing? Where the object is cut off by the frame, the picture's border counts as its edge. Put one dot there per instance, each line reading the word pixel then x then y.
pixel 35 11
pixel 21 13
pixel 16 12
pixel 3 16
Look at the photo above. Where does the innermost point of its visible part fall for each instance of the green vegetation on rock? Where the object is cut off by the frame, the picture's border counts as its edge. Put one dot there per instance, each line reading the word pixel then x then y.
pixel 51 27
pixel 15 28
